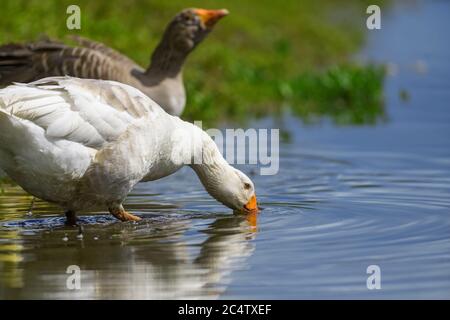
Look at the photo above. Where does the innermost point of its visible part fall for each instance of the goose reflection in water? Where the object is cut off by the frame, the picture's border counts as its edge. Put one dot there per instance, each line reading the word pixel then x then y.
pixel 161 257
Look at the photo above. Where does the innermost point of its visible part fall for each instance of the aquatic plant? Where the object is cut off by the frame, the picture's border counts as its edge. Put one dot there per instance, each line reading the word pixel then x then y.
pixel 349 94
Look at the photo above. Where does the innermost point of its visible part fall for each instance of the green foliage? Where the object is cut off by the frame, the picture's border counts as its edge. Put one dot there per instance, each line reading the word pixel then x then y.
pixel 263 56
pixel 347 93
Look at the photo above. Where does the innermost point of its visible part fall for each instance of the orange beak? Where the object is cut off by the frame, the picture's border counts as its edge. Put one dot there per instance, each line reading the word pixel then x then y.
pixel 252 205
pixel 210 17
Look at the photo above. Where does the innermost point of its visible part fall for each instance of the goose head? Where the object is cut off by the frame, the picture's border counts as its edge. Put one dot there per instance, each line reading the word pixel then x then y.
pixel 191 26
pixel 186 30
pixel 237 192
pixel 228 185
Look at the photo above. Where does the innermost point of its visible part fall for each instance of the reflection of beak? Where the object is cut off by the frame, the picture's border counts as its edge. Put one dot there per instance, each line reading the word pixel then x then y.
pixel 210 17
pixel 252 205
pixel 252 219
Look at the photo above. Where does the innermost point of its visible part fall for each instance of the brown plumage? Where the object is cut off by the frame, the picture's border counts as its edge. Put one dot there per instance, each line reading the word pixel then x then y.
pixel 162 80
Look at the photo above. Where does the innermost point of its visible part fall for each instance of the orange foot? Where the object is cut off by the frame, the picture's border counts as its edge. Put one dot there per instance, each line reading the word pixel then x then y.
pixel 122 215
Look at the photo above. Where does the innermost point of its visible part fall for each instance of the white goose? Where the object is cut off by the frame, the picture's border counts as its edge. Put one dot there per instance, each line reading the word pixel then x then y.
pixel 84 144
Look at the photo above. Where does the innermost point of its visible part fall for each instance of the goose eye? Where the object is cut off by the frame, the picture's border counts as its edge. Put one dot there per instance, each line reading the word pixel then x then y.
pixel 247 186
pixel 188 19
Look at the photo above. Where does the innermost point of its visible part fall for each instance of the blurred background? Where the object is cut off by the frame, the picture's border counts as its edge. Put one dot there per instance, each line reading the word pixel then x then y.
pixel 264 57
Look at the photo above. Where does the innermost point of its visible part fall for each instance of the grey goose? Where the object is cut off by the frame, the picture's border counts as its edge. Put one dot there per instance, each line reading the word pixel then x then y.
pixel 162 80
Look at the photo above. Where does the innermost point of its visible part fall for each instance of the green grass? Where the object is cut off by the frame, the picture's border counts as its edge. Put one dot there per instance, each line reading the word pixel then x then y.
pixel 264 56
pixel 346 93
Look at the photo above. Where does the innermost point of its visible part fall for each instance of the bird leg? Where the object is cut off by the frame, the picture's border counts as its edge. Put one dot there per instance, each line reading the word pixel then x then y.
pixel 71 218
pixel 30 210
pixel 120 213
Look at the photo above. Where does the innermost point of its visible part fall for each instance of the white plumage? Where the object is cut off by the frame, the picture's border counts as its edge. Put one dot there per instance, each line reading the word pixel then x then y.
pixel 85 143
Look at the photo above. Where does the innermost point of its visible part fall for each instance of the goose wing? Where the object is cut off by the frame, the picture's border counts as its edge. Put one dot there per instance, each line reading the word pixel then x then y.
pixel 85 111
pixel 26 62
pixel 51 130
pixel 108 51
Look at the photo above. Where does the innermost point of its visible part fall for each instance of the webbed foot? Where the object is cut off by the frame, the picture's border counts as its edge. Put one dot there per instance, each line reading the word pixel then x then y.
pixel 120 213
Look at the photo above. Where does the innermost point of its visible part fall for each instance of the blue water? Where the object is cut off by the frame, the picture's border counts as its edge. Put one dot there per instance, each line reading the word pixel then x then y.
pixel 345 198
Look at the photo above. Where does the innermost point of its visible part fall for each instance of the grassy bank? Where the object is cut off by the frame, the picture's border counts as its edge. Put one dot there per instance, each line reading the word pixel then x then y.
pixel 264 56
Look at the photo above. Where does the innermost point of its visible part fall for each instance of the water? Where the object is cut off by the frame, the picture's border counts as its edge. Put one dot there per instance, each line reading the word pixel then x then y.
pixel 345 198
